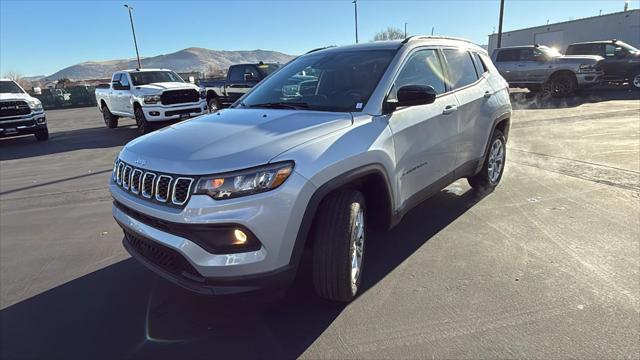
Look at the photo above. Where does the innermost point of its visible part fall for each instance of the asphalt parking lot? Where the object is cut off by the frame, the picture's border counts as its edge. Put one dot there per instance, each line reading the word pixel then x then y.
pixel 547 266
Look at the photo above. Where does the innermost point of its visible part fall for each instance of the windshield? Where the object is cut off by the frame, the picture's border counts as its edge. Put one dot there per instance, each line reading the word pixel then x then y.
pixel 150 77
pixel 10 87
pixel 626 46
pixel 267 69
pixel 332 81
pixel 551 52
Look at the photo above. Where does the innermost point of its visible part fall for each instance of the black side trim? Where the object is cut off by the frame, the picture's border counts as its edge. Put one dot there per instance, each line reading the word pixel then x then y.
pixel 321 192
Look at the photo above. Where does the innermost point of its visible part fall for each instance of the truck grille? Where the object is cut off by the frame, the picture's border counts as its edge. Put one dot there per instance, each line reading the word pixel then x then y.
pixel 157 187
pixel 14 108
pixel 171 97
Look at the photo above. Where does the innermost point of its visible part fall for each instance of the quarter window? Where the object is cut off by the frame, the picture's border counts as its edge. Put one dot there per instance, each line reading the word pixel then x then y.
pixel 124 80
pixel 480 65
pixel 422 68
pixel 116 77
pixel 461 69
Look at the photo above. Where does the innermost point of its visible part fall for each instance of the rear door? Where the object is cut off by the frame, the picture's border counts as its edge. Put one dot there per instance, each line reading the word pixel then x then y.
pixel 533 66
pixel 506 61
pixel 615 62
pixel 468 82
pixel 240 80
pixel 424 136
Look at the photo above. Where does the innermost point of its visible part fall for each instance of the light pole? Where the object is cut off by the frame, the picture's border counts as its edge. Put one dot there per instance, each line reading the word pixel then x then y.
pixel 355 8
pixel 500 24
pixel 135 42
pixel 405 30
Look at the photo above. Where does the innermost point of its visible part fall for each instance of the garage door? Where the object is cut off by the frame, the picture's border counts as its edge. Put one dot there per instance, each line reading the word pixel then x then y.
pixel 551 39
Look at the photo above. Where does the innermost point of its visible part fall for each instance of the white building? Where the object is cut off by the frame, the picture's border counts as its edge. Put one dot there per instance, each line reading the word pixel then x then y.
pixel 623 26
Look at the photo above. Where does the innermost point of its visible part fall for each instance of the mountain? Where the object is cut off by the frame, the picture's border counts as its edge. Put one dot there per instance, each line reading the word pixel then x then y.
pixel 34 78
pixel 187 60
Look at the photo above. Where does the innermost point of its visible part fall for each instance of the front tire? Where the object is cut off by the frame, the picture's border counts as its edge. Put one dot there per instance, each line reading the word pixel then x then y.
pixel 561 85
pixel 339 237
pixel 634 80
pixel 493 167
pixel 110 120
pixel 42 134
pixel 143 125
pixel 214 105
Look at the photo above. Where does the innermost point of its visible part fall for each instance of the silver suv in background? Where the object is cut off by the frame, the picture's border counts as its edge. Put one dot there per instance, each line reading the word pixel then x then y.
pixel 337 142
pixel 539 67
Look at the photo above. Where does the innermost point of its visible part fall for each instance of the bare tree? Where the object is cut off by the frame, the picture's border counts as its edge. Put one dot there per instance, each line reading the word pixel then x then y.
pixel 391 33
pixel 17 77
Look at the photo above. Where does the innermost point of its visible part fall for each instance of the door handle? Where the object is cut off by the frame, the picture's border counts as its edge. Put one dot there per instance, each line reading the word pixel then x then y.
pixel 449 109
pixel 487 94
pixel 522 65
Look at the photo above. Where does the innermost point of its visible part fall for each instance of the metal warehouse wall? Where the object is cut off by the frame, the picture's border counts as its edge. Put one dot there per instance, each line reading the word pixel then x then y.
pixel 623 26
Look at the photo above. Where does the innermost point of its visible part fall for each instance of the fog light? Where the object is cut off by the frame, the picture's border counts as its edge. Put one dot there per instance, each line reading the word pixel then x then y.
pixel 41 120
pixel 154 113
pixel 240 236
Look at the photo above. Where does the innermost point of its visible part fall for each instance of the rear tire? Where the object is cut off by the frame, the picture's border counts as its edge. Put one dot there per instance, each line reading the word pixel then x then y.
pixel 42 134
pixel 110 120
pixel 634 80
pixel 493 168
pixel 561 85
pixel 144 127
pixel 339 237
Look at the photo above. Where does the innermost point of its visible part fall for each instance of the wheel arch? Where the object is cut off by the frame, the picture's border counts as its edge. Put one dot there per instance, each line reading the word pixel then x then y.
pixel 559 72
pixel 502 123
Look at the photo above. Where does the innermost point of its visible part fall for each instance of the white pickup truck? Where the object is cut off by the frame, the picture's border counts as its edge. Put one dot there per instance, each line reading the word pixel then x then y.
pixel 150 96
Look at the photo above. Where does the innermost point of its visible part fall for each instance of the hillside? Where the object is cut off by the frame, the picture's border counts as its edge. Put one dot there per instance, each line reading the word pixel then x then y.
pixel 187 60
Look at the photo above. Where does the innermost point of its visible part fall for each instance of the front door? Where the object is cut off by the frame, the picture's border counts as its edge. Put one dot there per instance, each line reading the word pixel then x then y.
pixel 424 136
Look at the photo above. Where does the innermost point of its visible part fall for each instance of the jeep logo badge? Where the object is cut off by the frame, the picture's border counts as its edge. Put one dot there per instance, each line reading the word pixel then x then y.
pixel 140 162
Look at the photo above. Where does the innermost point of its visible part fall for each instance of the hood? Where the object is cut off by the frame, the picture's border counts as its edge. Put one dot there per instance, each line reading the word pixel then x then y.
pixel 231 139
pixel 157 88
pixel 583 59
pixel 10 96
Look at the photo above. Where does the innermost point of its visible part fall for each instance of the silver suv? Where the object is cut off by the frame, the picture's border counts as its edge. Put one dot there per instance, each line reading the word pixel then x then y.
pixel 538 67
pixel 339 141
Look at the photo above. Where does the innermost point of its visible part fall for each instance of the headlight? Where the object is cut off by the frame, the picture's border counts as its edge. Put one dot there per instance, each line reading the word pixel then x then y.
pixel 35 105
pixel 587 67
pixel 244 182
pixel 151 99
pixel 203 94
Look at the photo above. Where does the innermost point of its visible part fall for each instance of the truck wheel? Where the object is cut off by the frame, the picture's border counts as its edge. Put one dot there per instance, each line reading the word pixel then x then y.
pixel 110 120
pixel 493 166
pixel 214 105
pixel 339 238
pixel 561 85
pixel 42 134
pixel 143 125
pixel 634 80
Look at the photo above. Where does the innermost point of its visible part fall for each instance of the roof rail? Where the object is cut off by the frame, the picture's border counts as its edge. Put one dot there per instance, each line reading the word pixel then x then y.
pixel 318 49
pixel 427 37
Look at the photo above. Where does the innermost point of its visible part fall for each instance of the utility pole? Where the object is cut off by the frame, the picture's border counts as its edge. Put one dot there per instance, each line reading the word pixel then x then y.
pixel 355 7
pixel 405 30
pixel 500 24
pixel 135 42
pixel 432 29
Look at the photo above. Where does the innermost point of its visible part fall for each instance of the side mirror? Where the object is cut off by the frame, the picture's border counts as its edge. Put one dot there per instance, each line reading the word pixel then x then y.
pixel 412 95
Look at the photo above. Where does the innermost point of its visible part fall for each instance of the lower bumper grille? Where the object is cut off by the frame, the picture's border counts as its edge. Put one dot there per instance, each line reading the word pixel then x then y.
pixel 183 111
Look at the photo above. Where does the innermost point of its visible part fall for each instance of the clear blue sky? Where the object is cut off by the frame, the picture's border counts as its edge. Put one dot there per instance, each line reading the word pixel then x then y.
pixel 41 37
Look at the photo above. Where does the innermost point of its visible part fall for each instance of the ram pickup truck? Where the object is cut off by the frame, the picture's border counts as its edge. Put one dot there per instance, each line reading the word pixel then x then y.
pixel 150 96
pixel 621 61
pixel 20 113
pixel 538 67
pixel 240 79
pixel 337 142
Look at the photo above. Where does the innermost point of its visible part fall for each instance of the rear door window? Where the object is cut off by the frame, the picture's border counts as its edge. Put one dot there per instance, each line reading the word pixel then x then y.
pixel 508 55
pixel 236 73
pixel 461 71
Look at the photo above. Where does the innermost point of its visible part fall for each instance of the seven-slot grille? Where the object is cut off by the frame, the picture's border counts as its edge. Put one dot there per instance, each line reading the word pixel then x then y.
pixel 171 97
pixel 14 108
pixel 163 188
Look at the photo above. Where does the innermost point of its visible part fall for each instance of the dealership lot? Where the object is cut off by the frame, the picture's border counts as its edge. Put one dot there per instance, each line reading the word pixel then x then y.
pixel 546 266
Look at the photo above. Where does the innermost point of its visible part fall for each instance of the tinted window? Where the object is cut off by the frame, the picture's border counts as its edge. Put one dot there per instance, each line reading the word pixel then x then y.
pixel 9 87
pixel 325 81
pixel 124 80
pixel 116 77
pixel 237 73
pixel 480 65
pixel 150 77
pixel 584 49
pixel 461 70
pixel 508 55
pixel 422 68
pixel 610 50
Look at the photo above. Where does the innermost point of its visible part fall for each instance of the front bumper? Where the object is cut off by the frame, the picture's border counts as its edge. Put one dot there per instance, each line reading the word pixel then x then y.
pixel 22 125
pixel 159 112
pixel 589 79
pixel 273 264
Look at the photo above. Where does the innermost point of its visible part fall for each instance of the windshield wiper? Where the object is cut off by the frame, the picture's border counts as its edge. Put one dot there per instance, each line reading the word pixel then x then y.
pixel 281 105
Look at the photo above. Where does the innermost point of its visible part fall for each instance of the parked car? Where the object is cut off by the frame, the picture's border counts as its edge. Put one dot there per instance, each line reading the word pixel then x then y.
pixel 20 113
pixel 228 202
pixel 539 67
pixel 240 79
pixel 621 61
pixel 150 96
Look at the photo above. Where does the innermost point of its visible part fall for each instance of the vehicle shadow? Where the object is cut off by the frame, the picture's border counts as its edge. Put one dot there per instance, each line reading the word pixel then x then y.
pixel 125 311
pixel 59 142
pixel 522 100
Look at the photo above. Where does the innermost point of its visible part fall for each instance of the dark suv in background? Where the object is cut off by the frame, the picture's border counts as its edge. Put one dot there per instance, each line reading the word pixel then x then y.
pixel 621 61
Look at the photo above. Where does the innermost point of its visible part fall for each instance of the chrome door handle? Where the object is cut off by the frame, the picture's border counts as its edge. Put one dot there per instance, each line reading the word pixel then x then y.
pixel 449 109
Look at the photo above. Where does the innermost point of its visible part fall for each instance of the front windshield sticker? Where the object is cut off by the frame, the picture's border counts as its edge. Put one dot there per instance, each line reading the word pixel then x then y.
pixel 359 105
